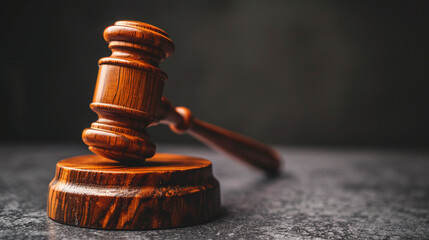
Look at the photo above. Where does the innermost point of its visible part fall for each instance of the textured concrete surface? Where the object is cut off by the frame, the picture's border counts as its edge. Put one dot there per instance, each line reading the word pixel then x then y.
pixel 328 194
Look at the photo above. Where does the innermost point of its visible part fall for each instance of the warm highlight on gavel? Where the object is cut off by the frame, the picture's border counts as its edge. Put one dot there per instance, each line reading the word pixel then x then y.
pixel 128 98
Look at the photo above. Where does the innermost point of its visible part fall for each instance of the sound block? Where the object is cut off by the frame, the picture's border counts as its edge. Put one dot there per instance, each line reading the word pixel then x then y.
pixel 165 191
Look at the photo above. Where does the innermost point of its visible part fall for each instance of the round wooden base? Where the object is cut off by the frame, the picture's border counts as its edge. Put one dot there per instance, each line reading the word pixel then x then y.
pixel 166 191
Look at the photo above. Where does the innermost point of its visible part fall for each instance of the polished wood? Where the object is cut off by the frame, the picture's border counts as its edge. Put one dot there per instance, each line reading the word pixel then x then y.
pixel 256 154
pixel 128 97
pixel 167 191
pixel 128 91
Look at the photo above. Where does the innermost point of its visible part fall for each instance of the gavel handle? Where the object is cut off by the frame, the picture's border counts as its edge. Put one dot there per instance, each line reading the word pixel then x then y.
pixel 257 154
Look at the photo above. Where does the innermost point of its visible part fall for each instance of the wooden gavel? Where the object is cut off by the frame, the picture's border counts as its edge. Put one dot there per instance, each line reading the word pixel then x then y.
pixel 128 99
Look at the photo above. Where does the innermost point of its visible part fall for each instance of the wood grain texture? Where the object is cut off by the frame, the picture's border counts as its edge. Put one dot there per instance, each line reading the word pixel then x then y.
pixel 247 150
pixel 167 191
pixel 128 91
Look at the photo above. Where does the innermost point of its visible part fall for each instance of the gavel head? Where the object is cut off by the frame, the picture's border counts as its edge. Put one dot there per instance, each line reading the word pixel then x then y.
pixel 128 92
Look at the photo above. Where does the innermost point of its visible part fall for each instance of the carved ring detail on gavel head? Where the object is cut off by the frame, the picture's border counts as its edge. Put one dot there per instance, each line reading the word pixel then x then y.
pixel 128 92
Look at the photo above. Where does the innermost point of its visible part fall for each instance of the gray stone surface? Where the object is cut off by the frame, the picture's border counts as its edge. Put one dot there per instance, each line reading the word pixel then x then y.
pixel 321 193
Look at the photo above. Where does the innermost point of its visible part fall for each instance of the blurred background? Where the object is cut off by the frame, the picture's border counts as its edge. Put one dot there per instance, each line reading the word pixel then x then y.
pixel 304 73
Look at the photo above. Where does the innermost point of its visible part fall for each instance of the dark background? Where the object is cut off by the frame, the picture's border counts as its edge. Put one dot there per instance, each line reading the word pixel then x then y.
pixel 343 73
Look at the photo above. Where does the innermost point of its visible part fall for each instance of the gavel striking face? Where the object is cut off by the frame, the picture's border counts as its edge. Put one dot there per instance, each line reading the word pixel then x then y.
pixel 128 99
